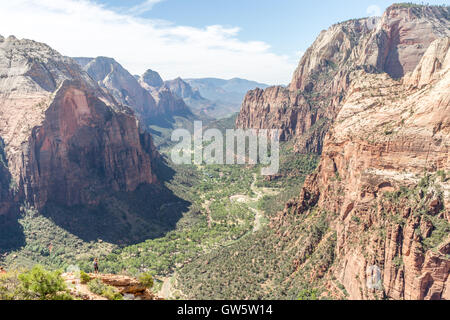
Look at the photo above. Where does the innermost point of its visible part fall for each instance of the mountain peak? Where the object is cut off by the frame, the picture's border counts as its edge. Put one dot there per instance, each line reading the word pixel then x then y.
pixel 152 78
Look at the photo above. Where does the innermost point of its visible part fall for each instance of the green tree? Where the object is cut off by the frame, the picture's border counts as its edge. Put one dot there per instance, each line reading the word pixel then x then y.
pixel 308 294
pixel 40 284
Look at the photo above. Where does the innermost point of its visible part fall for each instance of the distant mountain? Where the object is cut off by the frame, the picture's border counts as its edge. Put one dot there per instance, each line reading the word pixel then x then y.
pixel 183 89
pixel 153 103
pixel 212 97
pixel 152 79
pixel 192 97
pixel 227 91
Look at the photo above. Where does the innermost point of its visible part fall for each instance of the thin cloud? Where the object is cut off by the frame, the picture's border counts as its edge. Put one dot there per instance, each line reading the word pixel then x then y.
pixel 85 28
pixel 143 7
pixel 374 11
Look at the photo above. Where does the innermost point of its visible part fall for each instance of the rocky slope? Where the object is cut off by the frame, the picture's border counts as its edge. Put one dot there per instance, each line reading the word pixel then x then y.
pixel 383 180
pixel 305 110
pixel 152 79
pixel 168 102
pixel 67 142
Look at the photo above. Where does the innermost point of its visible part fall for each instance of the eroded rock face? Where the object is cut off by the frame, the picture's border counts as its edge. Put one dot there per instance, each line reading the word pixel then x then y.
pixel 66 139
pixel 402 37
pixel 83 147
pixel 152 79
pixel 305 110
pixel 123 284
pixel 381 180
pixel 5 185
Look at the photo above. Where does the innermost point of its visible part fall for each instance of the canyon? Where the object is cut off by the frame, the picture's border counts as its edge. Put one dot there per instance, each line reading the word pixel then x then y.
pixel 382 179
pixel 372 97
pixel 365 131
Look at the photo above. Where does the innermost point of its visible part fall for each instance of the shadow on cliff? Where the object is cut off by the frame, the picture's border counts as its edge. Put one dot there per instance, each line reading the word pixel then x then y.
pixel 11 231
pixel 124 218
pixel 392 64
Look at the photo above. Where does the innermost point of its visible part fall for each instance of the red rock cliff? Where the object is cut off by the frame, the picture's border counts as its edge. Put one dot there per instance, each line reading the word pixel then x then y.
pixel 66 140
pixel 305 110
pixel 384 182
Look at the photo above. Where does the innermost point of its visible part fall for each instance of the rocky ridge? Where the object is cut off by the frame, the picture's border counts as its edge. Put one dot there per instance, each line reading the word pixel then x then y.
pixel 304 111
pixel 383 183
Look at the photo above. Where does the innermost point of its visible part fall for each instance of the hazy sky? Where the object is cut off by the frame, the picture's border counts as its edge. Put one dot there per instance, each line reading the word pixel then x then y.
pixel 259 40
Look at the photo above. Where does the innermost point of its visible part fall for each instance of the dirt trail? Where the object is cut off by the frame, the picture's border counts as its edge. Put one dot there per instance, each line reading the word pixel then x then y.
pixel 166 289
pixel 206 205
pixel 259 192
pixel 78 289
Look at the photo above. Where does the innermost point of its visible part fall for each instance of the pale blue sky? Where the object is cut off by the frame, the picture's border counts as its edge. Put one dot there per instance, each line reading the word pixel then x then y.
pixel 258 40
pixel 289 26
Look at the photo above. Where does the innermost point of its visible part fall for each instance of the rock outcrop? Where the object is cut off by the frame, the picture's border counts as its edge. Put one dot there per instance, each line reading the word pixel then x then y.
pixel 66 140
pixel 127 286
pixel 182 89
pixel 383 182
pixel 304 111
pixel 152 79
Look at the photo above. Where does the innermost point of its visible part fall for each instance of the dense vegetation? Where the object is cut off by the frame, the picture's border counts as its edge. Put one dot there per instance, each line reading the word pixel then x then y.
pixel 34 284
pixel 220 206
pixel 212 221
pixel 263 265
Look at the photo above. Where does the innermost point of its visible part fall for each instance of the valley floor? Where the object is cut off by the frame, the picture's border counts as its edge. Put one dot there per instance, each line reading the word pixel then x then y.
pixel 227 204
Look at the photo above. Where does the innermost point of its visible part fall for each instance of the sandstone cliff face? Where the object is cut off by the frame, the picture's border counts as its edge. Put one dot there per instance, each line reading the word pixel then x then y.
pixel 66 140
pixel 383 181
pixel 402 37
pixel 305 110
pixel 5 184
pixel 83 148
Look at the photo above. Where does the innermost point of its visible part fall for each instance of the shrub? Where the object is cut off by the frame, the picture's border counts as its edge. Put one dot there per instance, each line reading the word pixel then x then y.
pixel 84 277
pixel 397 262
pixel 308 294
pixel 40 284
pixel 146 279
pixel 8 284
pixel 98 287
